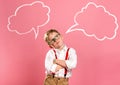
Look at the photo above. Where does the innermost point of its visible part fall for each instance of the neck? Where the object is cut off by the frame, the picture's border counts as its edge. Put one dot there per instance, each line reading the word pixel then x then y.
pixel 61 47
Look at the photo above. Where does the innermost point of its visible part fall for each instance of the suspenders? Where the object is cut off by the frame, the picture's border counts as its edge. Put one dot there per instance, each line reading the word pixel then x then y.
pixel 66 58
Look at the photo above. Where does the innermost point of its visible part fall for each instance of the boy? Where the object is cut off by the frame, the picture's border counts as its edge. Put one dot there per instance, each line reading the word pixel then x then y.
pixel 60 60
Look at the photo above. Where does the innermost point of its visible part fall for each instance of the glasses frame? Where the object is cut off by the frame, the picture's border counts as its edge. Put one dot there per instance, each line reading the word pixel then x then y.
pixel 53 40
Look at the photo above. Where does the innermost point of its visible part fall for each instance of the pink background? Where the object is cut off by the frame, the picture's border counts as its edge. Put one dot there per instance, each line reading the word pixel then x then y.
pixel 22 56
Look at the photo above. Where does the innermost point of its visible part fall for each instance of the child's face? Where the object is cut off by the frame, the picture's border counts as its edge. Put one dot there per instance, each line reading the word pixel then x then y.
pixel 55 40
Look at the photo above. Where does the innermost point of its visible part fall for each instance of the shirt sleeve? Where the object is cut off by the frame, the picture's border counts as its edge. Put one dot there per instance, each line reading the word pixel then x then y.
pixel 72 61
pixel 49 66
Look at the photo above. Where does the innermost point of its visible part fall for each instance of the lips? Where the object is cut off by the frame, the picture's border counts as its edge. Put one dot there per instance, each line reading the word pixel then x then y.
pixel 57 42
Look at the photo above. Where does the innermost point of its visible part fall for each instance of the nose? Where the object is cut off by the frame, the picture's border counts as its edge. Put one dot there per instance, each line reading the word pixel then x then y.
pixel 56 41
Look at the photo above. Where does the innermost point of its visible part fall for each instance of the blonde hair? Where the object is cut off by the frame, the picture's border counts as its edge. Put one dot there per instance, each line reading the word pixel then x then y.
pixel 46 35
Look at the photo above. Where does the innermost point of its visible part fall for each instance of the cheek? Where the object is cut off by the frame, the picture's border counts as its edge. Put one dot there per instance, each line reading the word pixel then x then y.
pixel 61 40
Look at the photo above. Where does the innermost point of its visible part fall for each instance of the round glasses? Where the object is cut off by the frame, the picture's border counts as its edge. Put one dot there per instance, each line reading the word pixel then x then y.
pixel 53 40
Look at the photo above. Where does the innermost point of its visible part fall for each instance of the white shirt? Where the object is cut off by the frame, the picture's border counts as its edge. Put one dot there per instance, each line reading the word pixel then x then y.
pixel 61 54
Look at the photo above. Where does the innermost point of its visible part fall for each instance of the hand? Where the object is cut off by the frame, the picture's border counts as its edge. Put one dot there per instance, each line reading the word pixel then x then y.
pixel 54 61
pixel 60 62
pixel 58 68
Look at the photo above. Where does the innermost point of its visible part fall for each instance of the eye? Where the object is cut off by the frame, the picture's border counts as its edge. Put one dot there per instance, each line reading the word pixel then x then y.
pixel 54 39
pixel 56 35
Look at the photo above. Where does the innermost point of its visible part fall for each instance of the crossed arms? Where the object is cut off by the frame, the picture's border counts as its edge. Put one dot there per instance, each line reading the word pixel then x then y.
pixel 60 64
pixel 54 65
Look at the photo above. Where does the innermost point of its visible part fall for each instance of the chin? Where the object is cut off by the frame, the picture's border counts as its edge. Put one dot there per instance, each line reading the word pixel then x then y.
pixel 58 47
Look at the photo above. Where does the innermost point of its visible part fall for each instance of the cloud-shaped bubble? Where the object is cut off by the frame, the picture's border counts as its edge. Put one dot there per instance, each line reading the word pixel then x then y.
pixel 95 21
pixel 29 17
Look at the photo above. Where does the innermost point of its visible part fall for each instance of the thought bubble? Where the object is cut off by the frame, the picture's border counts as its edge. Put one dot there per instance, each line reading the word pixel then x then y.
pixel 28 18
pixel 95 21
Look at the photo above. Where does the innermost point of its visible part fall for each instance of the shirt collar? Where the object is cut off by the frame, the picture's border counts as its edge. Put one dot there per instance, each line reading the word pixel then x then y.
pixel 64 49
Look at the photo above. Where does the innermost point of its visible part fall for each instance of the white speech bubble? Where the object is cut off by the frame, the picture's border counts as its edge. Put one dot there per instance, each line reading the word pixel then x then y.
pixel 74 27
pixel 35 30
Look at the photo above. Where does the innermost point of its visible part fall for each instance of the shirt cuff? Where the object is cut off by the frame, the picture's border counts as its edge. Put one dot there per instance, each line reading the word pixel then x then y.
pixel 53 68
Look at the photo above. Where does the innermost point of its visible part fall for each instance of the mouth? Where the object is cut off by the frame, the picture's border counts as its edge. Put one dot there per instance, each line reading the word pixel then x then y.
pixel 58 42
